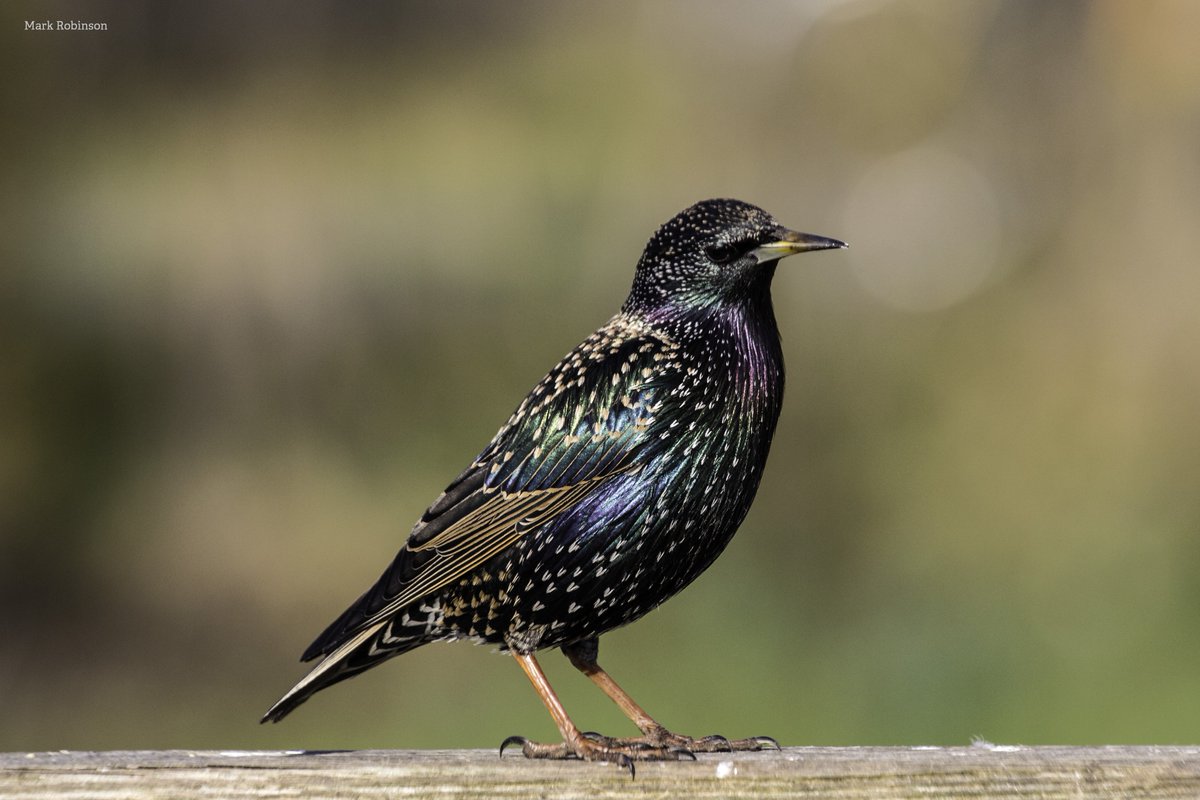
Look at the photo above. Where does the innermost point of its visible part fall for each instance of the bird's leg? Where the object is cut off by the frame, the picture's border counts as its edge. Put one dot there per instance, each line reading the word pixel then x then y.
pixel 655 736
pixel 576 744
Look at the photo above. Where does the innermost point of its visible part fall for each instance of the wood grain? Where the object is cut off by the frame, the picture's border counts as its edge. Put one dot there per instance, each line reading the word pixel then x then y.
pixel 978 771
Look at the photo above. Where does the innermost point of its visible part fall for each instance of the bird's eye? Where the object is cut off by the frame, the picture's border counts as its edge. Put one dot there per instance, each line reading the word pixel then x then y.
pixel 723 253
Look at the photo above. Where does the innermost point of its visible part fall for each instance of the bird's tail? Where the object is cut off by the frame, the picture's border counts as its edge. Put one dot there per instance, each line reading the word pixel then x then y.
pixel 358 653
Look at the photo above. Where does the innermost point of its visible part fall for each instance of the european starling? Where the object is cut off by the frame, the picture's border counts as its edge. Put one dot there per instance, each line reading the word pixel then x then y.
pixel 614 484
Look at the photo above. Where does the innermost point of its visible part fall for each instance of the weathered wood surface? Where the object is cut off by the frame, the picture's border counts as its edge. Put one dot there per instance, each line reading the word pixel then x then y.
pixel 978 771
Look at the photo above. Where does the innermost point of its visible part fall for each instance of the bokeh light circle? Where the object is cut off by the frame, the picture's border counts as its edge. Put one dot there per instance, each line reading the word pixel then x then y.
pixel 927 229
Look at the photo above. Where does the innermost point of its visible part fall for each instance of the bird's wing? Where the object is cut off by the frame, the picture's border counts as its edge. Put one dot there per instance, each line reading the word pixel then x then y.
pixel 590 419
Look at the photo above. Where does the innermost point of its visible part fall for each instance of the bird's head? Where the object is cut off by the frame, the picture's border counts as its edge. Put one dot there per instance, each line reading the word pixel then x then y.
pixel 714 253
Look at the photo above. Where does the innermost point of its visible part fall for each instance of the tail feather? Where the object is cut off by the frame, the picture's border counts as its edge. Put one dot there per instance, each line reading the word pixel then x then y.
pixel 359 653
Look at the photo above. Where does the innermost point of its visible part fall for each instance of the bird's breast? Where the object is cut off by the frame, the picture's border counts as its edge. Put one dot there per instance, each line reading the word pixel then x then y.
pixel 723 412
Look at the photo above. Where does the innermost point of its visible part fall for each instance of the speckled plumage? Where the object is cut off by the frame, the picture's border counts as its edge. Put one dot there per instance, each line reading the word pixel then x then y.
pixel 616 482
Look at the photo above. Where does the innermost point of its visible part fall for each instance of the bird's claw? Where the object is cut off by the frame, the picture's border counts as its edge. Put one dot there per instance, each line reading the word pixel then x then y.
pixel 593 746
pixel 682 752
pixel 511 740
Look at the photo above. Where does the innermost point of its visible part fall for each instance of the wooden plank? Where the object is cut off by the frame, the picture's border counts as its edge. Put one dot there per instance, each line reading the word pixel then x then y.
pixel 978 771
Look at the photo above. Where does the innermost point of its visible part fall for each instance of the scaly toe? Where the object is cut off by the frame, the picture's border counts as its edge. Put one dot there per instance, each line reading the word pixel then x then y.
pixel 592 746
pixel 718 743
pixel 633 743
pixel 715 743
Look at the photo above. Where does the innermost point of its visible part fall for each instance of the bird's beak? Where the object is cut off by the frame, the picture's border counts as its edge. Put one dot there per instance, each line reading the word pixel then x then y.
pixel 792 242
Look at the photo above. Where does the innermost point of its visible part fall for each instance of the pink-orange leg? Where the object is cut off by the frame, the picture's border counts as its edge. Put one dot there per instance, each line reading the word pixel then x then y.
pixel 654 735
pixel 656 743
pixel 576 744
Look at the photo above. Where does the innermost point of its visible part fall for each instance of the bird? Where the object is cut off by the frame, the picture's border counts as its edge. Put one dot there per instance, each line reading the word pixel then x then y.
pixel 615 483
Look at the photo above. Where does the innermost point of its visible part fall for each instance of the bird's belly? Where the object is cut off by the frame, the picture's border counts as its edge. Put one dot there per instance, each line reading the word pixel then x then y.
pixel 620 553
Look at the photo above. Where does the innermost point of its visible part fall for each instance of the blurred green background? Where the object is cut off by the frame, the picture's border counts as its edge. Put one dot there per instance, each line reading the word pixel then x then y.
pixel 270 273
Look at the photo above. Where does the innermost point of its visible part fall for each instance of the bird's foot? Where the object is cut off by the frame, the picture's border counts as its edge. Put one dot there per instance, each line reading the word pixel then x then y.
pixel 594 747
pixel 659 738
